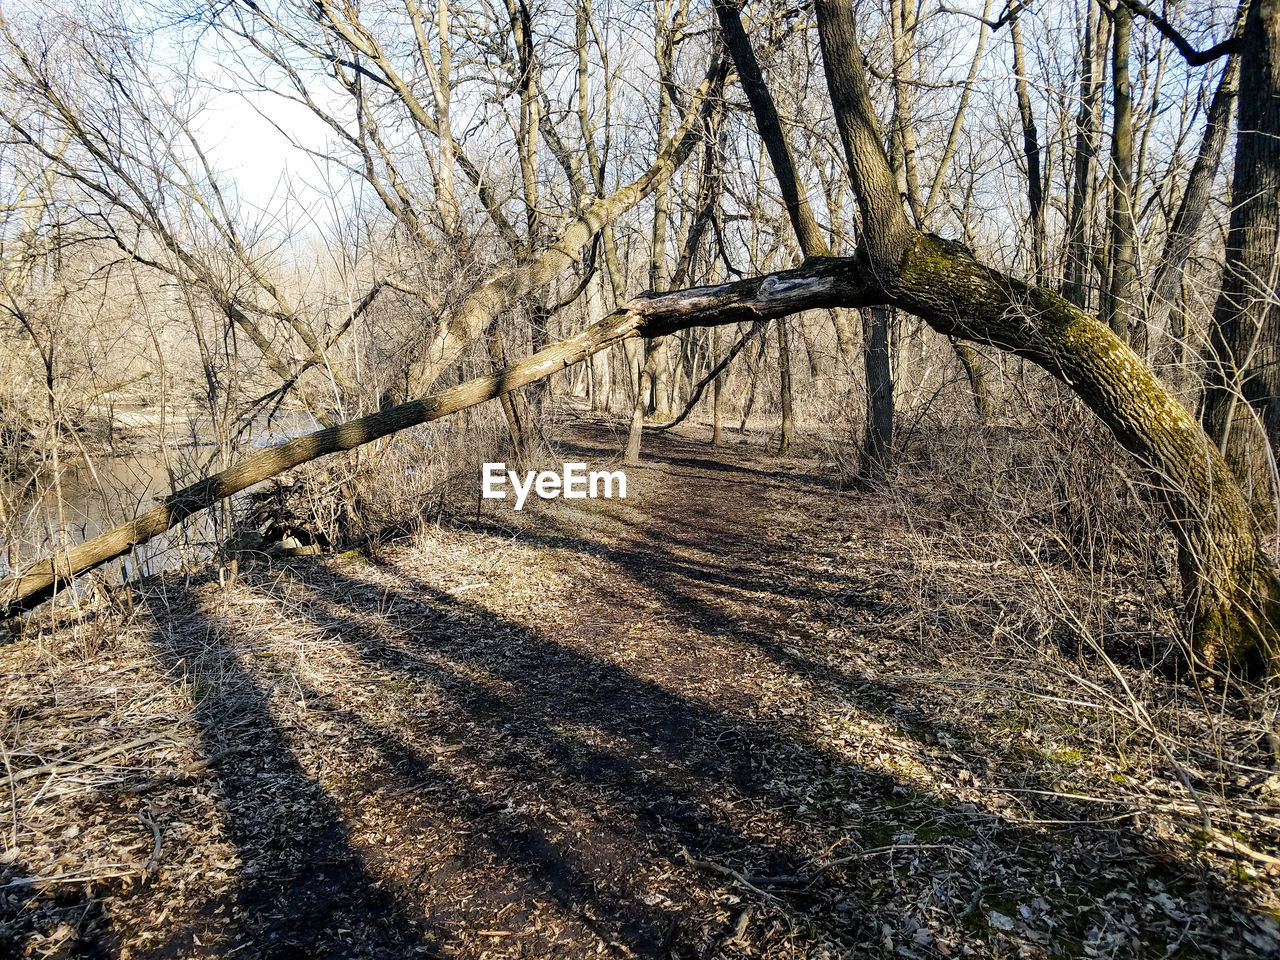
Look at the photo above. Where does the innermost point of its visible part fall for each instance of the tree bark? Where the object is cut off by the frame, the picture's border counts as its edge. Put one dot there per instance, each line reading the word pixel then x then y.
pixel 717 400
pixel 1230 583
pixel 846 340
pixel 1244 362
pixel 636 433
pixel 784 382
pixel 877 438
pixel 972 363
pixel 1075 284
pixel 599 366
pixel 516 428
pixel 770 129
pixel 1030 149
pixel 1185 226
pixel 820 285
pixel 1118 309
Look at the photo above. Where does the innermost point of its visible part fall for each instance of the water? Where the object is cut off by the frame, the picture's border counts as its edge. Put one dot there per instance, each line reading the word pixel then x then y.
pixel 104 490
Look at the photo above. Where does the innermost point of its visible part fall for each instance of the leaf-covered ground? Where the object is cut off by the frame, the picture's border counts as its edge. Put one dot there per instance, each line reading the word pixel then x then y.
pixel 739 714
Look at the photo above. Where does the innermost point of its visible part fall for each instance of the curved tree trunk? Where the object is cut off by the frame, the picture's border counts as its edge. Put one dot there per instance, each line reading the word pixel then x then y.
pixel 818 286
pixel 1231 585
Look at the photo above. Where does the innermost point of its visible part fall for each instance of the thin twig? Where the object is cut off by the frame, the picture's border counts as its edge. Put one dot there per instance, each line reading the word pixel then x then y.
pixel 153 862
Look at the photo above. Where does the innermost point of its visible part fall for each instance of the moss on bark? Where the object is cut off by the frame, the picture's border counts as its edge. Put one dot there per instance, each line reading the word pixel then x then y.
pixel 1230 582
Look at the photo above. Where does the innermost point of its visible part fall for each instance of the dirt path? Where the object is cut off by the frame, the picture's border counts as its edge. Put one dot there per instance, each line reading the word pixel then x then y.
pixel 693 723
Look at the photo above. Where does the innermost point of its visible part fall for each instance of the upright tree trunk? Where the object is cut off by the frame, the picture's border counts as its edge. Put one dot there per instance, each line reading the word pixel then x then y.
pixel 1030 149
pixel 539 339
pixel 903 159
pixel 517 429
pixel 1185 226
pixel 784 377
pixel 770 129
pixel 972 363
pixel 1231 584
pixel 846 340
pixel 1244 361
pixel 654 383
pixel 754 359
pixel 1079 253
pixel 877 439
pixel 601 383
pixel 651 359
pixel 1118 309
pixel 661 402
pixel 599 364
pixel 717 394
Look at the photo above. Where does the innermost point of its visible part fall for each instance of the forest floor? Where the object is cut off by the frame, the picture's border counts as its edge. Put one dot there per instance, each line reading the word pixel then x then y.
pixel 738 714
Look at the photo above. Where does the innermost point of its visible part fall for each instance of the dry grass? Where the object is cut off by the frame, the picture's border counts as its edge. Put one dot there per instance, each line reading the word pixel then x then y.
pixel 739 714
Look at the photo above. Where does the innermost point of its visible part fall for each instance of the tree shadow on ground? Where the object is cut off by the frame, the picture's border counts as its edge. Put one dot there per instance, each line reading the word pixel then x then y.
pixel 703 568
pixel 662 452
pixel 538 785
pixel 540 726
pixel 675 772
pixel 301 891
pixel 57 920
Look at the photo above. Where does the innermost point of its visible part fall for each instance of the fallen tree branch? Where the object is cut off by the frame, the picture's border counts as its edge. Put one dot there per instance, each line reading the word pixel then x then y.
pixel 708 866
pixel 157 843
pixel 819 283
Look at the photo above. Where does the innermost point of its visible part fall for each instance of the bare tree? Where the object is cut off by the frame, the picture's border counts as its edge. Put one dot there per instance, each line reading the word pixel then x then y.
pixel 1231 586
